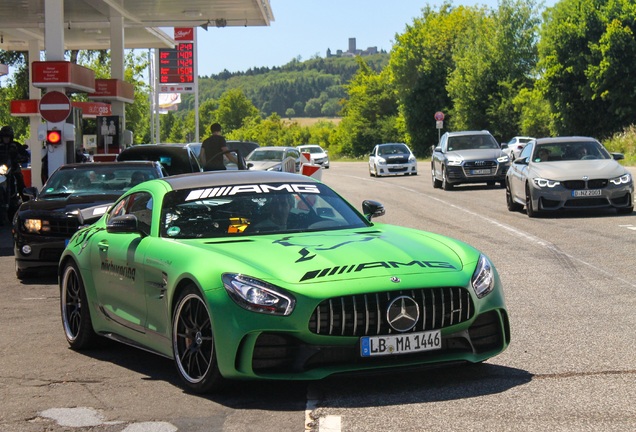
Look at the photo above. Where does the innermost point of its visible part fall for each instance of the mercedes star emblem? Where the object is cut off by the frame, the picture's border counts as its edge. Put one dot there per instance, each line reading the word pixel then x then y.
pixel 402 313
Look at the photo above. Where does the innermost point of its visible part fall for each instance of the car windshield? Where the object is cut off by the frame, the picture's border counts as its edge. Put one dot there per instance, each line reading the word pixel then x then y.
pixel 234 210
pixel 393 149
pixel 472 142
pixel 265 155
pixel 312 150
pixel 569 151
pixel 95 179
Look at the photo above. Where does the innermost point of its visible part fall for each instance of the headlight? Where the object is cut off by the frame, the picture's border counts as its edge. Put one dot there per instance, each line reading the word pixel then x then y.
pixel 33 226
pixel 381 161
pixel 258 296
pixel 275 168
pixel 412 159
pixel 539 182
pixel 624 179
pixel 454 161
pixel 3 169
pixel 483 280
pixel 503 159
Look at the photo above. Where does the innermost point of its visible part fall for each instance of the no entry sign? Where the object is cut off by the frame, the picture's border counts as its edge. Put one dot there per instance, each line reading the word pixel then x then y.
pixel 54 106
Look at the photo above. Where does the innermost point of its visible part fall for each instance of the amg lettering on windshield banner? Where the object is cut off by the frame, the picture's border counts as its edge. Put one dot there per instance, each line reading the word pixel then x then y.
pixel 353 268
pixel 251 189
pixel 118 270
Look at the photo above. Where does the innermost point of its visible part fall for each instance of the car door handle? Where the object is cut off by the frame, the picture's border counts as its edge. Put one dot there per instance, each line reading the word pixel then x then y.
pixel 103 245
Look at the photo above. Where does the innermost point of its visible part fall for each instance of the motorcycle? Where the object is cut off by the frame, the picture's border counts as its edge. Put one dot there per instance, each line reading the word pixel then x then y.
pixel 10 199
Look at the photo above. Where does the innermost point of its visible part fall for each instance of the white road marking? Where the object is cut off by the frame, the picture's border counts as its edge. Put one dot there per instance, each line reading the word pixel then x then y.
pixel 330 423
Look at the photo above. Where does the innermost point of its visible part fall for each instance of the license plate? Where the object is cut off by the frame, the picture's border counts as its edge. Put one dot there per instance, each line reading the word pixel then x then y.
pixel 407 343
pixel 480 171
pixel 586 193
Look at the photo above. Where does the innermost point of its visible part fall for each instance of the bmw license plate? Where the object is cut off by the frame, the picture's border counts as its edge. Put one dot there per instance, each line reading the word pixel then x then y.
pixel 400 343
pixel 586 193
pixel 480 171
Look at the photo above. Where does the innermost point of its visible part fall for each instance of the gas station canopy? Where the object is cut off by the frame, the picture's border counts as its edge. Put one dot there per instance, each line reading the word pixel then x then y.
pixel 87 22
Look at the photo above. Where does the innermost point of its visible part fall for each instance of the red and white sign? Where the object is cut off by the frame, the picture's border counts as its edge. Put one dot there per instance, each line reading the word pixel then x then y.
pixel 25 107
pixel 439 116
pixel 184 34
pixel 55 107
pixel 93 109
pixel 111 89
pixel 63 74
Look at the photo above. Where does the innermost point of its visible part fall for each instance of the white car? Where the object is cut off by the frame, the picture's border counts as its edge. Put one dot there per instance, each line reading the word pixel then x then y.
pixel 392 159
pixel 317 155
pixel 513 147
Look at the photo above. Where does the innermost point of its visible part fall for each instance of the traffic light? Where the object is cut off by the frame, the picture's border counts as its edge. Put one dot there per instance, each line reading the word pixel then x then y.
pixel 54 137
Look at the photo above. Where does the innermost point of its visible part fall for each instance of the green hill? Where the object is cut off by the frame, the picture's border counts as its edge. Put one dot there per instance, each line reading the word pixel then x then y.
pixel 312 88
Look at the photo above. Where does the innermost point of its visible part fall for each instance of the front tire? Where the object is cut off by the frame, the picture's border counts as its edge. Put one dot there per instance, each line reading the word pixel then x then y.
pixel 512 205
pixel 436 183
pixel 193 343
pixel 76 317
pixel 446 185
pixel 530 210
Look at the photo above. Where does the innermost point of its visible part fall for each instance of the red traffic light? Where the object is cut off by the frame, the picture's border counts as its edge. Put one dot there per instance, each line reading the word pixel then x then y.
pixel 54 137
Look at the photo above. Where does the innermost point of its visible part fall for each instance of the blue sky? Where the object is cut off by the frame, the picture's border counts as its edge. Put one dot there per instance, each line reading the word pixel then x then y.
pixel 306 28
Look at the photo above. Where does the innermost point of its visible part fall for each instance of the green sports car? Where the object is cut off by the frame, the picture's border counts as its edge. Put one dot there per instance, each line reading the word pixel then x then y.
pixel 269 275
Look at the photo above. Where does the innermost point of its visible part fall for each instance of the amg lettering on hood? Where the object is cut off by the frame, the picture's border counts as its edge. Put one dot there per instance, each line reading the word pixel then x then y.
pixel 371 265
pixel 119 270
pixel 250 189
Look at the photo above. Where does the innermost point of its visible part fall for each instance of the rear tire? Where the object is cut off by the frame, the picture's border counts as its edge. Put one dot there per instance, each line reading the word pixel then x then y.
pixel 76 316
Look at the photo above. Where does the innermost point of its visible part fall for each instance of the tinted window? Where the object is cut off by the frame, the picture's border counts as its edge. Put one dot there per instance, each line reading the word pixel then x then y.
pixel 255 209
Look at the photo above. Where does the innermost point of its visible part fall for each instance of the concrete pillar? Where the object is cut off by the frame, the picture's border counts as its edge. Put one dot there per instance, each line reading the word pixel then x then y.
pixel 37 149
pixel 54 46
pixel 117 66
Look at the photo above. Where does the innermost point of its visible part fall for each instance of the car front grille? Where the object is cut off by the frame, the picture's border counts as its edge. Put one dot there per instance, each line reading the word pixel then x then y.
pixel 276 353
pixel 583 184
pixel 480 168
pixel 365 314
pixel 397 159
pixel 398 169
pixel 57 227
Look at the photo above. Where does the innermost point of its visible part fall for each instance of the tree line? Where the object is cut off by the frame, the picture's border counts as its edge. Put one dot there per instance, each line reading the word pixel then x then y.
pixel 517 69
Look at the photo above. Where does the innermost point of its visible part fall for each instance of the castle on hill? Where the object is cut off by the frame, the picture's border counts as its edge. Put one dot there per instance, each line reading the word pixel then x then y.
pixel 352 51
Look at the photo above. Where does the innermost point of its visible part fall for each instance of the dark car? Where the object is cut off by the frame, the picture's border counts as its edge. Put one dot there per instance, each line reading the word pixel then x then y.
pixel 75 194
pixel 468 157
pixel 175 158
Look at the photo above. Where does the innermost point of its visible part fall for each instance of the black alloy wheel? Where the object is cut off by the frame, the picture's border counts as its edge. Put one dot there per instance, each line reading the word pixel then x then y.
pixel 193 343
pixel 76 317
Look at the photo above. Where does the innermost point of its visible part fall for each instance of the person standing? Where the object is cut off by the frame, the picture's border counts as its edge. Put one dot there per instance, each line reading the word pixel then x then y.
pixel 212 150
pixel 16 153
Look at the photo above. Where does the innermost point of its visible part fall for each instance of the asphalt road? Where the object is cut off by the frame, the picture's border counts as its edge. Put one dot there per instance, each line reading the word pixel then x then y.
pixel 570 284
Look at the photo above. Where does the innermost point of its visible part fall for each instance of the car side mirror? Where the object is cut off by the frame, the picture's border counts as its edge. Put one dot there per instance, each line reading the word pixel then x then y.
pixel 125 224
pixel 521 161
pixel 504 146
pixel 438 149
pixel 31 192
pixel 372 209
pixel 618 156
